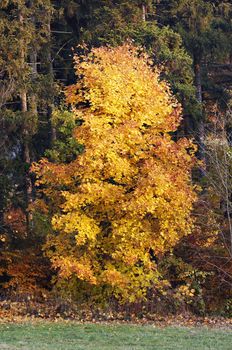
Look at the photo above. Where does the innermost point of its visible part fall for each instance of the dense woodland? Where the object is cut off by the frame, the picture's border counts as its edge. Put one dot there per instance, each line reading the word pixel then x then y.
pixel 116 158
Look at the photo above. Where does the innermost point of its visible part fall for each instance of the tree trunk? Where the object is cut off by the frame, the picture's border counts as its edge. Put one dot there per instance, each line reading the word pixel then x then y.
pixel 51 87
pixel 144 12
pixel 33 64
pixel 26 137
pixel 33 99
pixel 197 70
pixel 27 160
pixel 201 126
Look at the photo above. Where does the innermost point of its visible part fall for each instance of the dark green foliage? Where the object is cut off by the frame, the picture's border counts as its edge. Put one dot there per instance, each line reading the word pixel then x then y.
pixel 65 148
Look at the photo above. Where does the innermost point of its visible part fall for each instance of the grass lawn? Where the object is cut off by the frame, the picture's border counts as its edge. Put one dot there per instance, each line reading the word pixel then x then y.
pixel 72 336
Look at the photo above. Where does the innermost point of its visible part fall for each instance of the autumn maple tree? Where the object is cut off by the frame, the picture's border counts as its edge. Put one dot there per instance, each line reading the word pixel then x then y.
pixel 127 198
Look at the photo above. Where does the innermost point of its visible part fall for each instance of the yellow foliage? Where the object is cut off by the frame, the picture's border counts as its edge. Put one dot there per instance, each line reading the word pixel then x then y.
pixel 130 191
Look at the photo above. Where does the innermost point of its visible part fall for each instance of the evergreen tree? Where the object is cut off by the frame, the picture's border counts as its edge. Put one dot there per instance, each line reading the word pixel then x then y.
pixel 205 27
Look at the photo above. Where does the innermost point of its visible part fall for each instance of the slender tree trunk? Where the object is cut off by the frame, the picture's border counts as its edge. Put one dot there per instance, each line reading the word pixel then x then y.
pixel 201 126
pixel 51 87
pixel 33 64
pixel 197 70
pixel 26 135
pixel 33 99
pixel 144 12
pixel 27 160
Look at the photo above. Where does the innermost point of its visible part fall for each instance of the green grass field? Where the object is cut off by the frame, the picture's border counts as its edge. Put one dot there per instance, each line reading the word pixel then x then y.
pixel 71 336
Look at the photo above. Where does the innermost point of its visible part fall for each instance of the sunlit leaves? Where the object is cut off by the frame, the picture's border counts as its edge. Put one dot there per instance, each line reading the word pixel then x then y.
pixel 130 190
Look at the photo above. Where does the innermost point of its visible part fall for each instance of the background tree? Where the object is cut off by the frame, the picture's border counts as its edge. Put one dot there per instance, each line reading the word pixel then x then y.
pixel 23 36
pixel 205 28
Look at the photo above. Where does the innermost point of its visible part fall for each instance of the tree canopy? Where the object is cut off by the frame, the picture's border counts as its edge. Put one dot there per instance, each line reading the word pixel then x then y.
pixel 120 203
